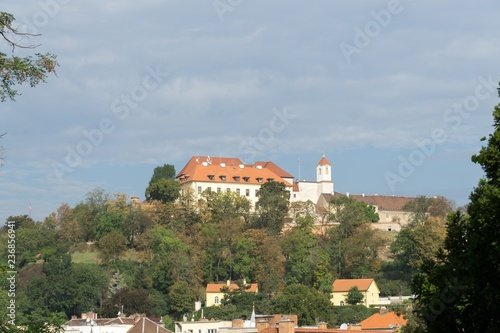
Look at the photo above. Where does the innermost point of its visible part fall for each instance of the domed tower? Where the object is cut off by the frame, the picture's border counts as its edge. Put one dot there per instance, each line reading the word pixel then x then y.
pixel 324 175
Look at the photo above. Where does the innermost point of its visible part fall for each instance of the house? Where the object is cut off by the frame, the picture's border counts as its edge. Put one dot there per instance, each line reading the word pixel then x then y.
pixel 390 209
pixel 89 323
pixel 289 326
pixel 215 291
pixel 229 174
pixel 367 287
pixel 388 321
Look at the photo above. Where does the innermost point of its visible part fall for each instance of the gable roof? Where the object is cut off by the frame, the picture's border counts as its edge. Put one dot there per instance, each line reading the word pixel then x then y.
pixel 384 202
pixel 146 325
pixel 344 285
pixel 231 170
pixel 216 287
pixel 383 321
pixel 323 161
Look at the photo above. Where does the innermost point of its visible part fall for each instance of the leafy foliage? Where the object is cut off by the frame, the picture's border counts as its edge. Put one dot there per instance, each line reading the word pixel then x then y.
pixel 17 70
pixel 457 292
pixel 354 296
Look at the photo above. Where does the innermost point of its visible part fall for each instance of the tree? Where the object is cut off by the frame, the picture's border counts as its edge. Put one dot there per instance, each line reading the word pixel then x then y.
pixel 112 246
pixel 309 305
pixel 354 296
pixel 457 291
pixel 164 190
pixel 162 185
pixel 17 70
pixel 272 206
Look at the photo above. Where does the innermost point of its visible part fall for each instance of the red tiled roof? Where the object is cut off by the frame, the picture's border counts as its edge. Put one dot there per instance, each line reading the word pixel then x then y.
pixel 323 161
pixel 216 287
pixel 146 325
pixel 230 170
pixel 383 321
pixel 346 284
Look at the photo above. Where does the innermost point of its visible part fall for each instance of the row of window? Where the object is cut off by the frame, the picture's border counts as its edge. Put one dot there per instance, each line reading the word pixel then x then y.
pixel 228 190
pixel 238 178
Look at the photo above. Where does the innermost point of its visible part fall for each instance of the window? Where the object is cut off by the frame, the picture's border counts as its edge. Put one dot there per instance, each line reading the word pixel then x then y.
pixel 209 189
pixel 246 179
pixel 259 180
pixel 211 177
pixel 216 300
pixel 247 192
pixel 236 178
pixel 238 191
pixel 228 190
pixel 199 189
pixel 326 170
pixel 256 192
pixel 218 189
pixel 294 195
pixel 212 330
pixel 341 303
pixel 223 178
pixel 319 171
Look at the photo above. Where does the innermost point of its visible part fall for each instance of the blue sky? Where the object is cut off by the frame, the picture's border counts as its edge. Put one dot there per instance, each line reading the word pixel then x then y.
pixel 396 94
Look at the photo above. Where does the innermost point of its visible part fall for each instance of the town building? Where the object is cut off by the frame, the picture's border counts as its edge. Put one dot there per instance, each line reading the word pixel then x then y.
pixel 383 321
pixel 214 292
pixel 89 323
pixel 368 287
pixel 223 174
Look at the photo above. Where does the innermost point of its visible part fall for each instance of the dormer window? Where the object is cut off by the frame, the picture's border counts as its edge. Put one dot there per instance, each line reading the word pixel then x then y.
pixel 259 180
pixel 223 178
pixel 246 179
pixel 236 178
pixel 270 179
pixel 211 177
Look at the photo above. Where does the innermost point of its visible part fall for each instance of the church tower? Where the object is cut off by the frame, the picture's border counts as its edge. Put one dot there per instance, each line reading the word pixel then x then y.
pixel 324 175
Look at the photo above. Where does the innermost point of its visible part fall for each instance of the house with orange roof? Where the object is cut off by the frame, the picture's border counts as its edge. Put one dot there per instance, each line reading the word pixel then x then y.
pixel 388 321
pixel 223 174
pixel 368 287
pixel 215 292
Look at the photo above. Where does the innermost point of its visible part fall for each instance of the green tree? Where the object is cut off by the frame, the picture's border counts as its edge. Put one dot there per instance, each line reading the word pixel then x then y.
pixel 162 185
pixel 164 190
pixel 309 305
pixel 17 70
pixel 111 246
pixel 354 296
pixel 457 291
pixel 181 298
pixel 272 207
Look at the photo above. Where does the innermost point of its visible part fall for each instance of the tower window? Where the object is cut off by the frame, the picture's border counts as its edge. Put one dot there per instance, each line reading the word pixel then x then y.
pixel 319 171
pixel 326 170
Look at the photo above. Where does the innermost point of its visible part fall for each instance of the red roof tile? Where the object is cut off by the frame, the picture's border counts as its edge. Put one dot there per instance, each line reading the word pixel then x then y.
pixel 216 287
pixel 383 321
pixel 346 284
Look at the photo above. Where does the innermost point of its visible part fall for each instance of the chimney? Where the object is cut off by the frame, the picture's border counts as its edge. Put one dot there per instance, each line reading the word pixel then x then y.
pixel 322 325
pixel 228 283
pixel 244 281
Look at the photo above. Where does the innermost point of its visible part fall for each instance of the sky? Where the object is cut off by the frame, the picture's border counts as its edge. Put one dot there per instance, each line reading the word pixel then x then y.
pixel 396 94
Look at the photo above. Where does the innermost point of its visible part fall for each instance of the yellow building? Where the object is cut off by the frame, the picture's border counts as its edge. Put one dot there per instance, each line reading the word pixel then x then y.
pixel 367 287
pixel 215 291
